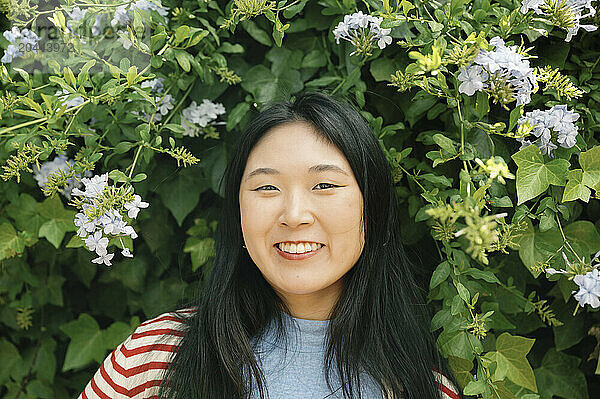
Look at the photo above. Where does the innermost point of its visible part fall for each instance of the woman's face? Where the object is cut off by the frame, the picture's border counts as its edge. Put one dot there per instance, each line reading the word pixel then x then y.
pixel 294 202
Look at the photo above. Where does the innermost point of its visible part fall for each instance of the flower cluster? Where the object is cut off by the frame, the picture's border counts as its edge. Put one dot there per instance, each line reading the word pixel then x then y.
pixel 19 39
pixel 60 163
pixel 362 30
pixel 123 15
pixel 195 117
pixel 164 103
pixel 564 13
pixel 503 73
pixel 555 124
pixel 98 231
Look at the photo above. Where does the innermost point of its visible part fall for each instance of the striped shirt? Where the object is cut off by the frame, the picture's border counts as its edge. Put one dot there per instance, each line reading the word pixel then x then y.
pixel 135 368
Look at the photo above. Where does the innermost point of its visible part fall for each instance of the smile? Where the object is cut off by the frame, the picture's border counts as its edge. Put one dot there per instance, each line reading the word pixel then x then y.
pixel 301 256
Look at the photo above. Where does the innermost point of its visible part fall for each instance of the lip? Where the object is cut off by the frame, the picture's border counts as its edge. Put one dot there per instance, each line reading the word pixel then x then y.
pixel 305 255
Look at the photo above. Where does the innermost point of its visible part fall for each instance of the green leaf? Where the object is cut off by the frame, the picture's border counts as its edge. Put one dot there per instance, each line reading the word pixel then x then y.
pixel 86 343
pixel 200 250
pixel 314 59
pixel 559 376
pixel 117 176
pixel 382 68
pixel 184 59
pixel 116 333
pixel 181 195
pixel 10 358
pixel 459 344
pixel 256 33
pixel 575 188
pixel 463 292
pixel 482 104
pixel 511 356
pixel 475 388
pixel 590 163
pixel 440 274
pixel 10 243
pixel 536 246
pixel 83 76
pixel 181 33
pixel 584 232
pixel 265 86
pixel 60 220
pixel 534 176
pixel 237 113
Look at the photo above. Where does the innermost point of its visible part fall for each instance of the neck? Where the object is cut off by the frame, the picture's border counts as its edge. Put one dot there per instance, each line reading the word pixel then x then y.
pixel 314 306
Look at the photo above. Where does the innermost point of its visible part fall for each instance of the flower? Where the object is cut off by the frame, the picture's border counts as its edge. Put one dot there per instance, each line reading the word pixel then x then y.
pixel 195 116
pixel 504 73
pixel 576 9
pixel 155 85
pixel 96 242
pixel 25 39
pixel 589 288
pixel 122 15
pixel 472 79
pixel 134 206
pixel 97 232
pixel 552 127
pixel 104 258
pixel 60 163
pixel 362 30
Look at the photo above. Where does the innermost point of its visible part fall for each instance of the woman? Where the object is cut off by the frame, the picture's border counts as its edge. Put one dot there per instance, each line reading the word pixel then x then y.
pixel 341 320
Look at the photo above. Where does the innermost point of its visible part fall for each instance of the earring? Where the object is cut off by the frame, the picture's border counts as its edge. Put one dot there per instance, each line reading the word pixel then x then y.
pixel 243 246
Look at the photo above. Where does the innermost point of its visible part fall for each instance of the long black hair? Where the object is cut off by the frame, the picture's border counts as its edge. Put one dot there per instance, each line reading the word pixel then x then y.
pixel 379 324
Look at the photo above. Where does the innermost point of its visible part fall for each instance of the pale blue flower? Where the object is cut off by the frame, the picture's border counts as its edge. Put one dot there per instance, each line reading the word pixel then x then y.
pixel 97 242
pixel 472 79
pixel 364 27
pixel 589 289
pixel 104 258
pixel 134 206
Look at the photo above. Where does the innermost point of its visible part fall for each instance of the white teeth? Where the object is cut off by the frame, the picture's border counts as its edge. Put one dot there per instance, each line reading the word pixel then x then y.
pixel 298 248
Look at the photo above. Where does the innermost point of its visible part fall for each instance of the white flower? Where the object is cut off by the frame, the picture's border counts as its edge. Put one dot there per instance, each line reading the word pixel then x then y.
pixel 104 258
pixel 532 5
pixel 166 103
pixel 125 252
pixel 155 85
pixel 25 38
pixel 60 163
pixel 589 288
pixel 472 79
pixel 94 186
pixel 128 230
pixel 97 242
pixel 200 115
pixel 134 206
pixel 362 27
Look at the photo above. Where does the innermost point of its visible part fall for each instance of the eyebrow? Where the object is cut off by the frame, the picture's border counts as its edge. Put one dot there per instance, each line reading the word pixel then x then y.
pixel 313 169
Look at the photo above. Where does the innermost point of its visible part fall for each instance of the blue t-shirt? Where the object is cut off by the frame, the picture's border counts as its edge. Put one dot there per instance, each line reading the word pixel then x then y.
pixel 299 373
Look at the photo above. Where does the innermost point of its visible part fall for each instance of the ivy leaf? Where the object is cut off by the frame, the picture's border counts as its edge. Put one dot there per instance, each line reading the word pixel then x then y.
pixel 575 188
pixel 116 333
pixel 200 250
pixel 590 163
pixel 511 357
pixel 181 195
pixel 60 220
pixel 86 342
pixel 10 243
pixel 534 176
pixel 25 213
pixel 559 376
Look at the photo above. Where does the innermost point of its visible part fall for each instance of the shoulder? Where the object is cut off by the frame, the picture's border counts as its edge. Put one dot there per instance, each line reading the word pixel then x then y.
pixel 135 368
pixel 449 391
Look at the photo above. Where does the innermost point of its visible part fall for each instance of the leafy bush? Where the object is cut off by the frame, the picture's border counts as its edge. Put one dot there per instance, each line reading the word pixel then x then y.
pixel 117 120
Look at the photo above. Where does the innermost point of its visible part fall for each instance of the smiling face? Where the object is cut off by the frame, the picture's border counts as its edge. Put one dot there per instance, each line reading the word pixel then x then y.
pixel 298 203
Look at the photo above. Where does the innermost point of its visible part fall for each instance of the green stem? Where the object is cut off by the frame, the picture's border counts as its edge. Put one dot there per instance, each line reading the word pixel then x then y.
pixel 137 154
pixel 413 178
pixel 462 133
pixel 565 241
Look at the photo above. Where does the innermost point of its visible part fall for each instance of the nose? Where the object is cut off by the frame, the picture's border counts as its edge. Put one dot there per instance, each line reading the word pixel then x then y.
pixel 296 210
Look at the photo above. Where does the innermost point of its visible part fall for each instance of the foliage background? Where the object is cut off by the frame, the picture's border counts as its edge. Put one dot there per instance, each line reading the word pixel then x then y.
pixel 60 314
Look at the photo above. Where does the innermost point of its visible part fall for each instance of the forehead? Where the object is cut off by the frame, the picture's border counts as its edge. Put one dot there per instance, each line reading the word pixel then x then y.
pixel 294 143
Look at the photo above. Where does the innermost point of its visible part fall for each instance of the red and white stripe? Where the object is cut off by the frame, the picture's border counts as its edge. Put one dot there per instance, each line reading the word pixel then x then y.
pixel 135 368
